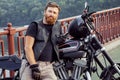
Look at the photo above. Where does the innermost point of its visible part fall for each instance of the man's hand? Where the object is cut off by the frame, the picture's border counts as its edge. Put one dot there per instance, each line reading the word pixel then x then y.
pixel 35 71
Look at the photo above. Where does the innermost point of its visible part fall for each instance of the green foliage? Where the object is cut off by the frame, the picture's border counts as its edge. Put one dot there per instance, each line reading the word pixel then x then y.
pixel 22 12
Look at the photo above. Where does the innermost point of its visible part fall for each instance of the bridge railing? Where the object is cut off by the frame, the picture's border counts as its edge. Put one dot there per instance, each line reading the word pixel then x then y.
pixel 107 23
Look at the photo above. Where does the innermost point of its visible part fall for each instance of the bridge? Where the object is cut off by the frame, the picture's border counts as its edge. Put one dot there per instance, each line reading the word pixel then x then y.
pixel 107 23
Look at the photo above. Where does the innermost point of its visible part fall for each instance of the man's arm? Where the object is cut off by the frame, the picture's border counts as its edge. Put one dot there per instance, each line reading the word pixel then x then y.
pixel 29 41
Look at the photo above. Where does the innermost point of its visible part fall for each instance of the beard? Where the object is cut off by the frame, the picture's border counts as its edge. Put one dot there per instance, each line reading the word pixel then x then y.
pixel 50 19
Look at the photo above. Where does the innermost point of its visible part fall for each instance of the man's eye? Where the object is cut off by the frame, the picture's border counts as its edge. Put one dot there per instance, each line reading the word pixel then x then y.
pixel 54 12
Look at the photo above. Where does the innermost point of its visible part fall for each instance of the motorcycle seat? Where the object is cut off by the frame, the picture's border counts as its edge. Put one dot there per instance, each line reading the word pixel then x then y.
pixel 72 55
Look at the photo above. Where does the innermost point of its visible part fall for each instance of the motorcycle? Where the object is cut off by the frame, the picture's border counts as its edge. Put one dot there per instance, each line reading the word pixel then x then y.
pixel 79 53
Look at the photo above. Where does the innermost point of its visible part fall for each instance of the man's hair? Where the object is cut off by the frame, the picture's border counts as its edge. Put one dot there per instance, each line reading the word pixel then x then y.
pixel 52 4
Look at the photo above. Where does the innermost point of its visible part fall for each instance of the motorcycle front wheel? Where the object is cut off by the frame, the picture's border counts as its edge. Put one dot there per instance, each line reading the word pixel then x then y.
pixel 112 74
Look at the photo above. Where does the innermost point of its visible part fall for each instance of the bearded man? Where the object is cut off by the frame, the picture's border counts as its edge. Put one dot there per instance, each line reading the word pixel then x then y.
pixel 41 46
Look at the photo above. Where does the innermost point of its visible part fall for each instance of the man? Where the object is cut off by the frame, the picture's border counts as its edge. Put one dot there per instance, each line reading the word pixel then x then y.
pixel 41 46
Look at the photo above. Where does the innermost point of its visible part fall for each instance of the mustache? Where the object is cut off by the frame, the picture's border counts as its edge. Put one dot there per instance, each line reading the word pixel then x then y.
pixel 51 17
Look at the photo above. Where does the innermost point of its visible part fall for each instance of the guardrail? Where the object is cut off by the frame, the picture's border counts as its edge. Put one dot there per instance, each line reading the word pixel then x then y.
pixel 107 23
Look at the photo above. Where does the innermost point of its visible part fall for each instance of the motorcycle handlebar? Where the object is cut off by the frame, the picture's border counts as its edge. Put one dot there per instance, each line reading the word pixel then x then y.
pixel 87 15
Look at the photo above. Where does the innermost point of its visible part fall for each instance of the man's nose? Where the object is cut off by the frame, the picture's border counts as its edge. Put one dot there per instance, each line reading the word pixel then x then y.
pixel 52 14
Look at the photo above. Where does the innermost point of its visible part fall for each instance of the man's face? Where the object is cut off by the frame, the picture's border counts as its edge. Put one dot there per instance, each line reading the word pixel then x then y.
pixel 51 15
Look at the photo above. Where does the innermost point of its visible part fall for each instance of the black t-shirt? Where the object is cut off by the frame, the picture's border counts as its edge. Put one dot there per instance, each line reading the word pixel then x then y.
pixel 48 52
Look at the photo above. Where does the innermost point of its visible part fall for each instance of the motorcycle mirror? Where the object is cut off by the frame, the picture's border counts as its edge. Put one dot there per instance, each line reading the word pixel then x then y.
pixel 86 7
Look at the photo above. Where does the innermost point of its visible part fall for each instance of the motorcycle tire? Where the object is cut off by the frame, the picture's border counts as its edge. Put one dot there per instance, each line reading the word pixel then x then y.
pixel 112 74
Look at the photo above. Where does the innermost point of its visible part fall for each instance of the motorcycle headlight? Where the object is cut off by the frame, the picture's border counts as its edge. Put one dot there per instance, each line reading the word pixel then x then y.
pixel 77 28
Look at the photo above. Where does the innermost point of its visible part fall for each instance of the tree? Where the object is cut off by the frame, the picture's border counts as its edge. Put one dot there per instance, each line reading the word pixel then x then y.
pixel 22 12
